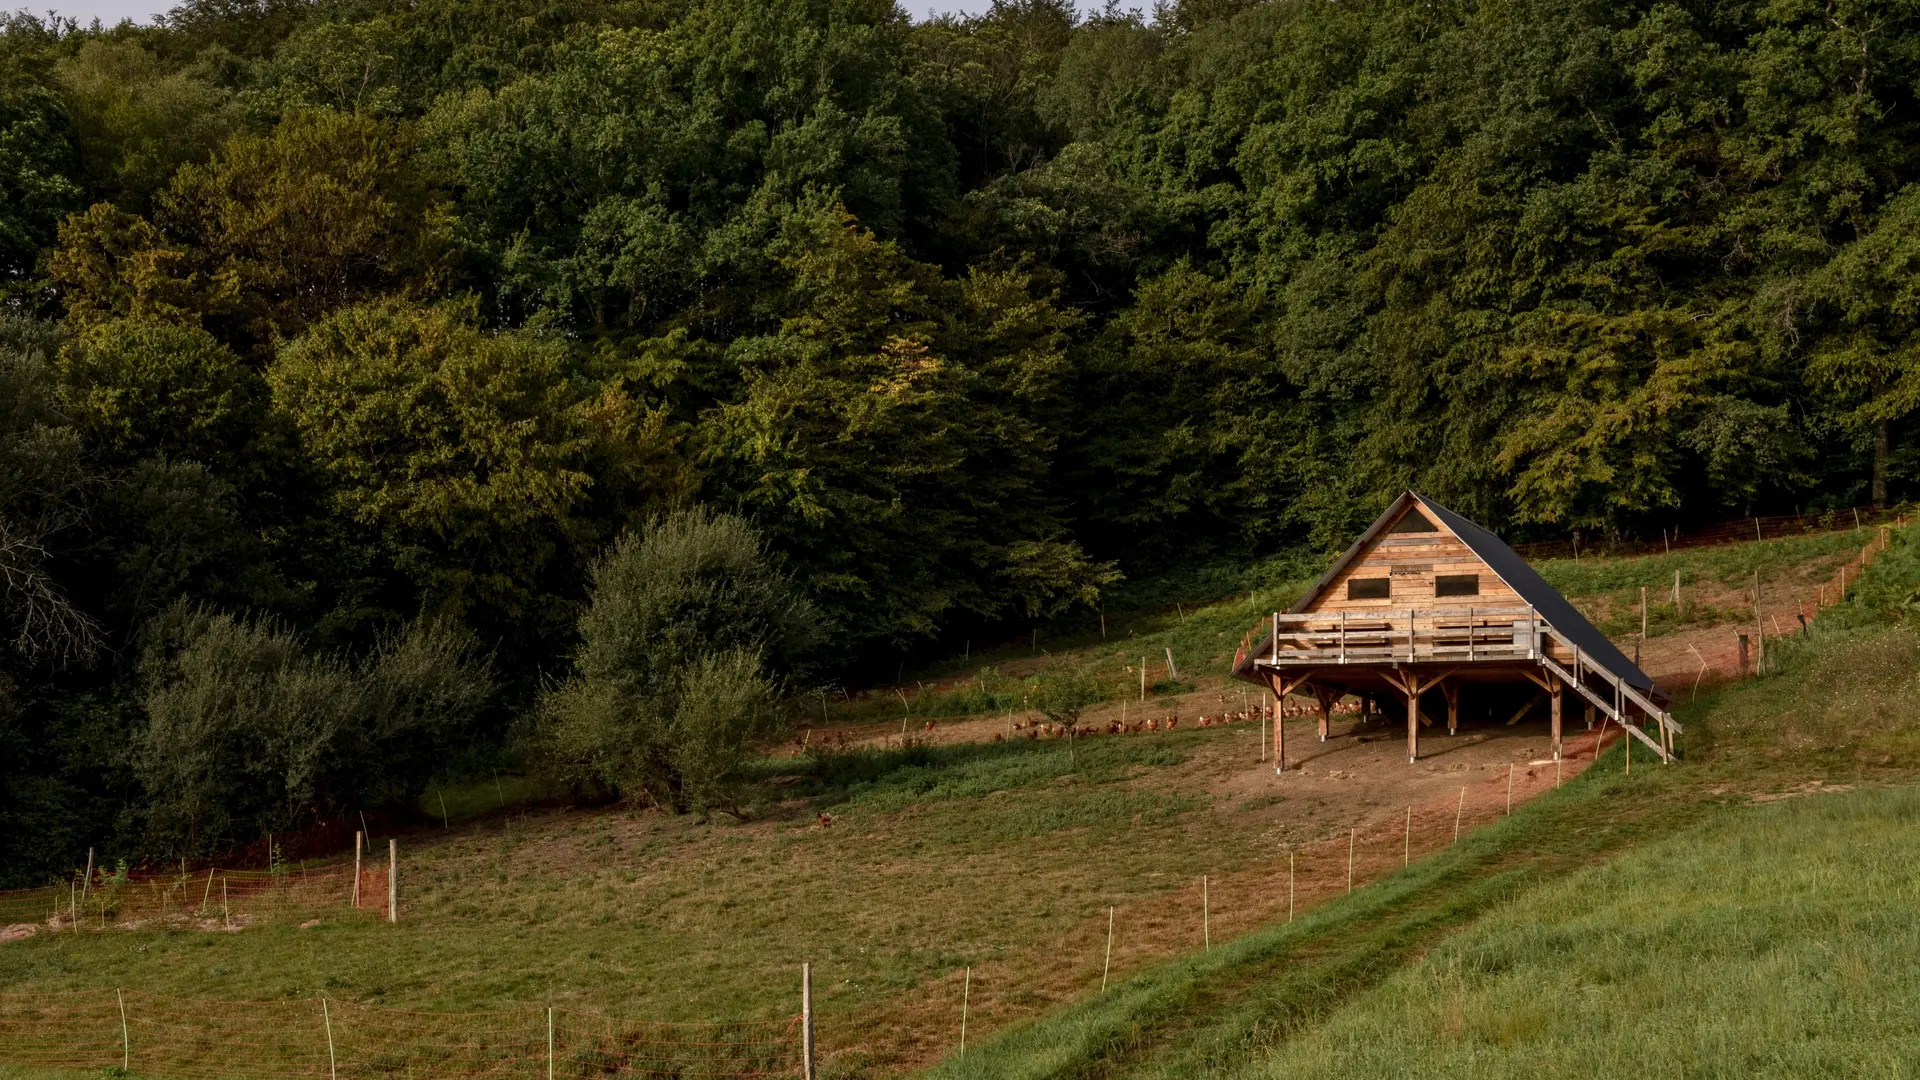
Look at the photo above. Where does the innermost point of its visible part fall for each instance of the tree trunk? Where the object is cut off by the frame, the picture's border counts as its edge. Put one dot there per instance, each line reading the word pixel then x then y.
pixel 1882 450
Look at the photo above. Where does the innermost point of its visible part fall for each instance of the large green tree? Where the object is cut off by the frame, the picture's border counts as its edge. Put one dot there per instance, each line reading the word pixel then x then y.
pixel 470 461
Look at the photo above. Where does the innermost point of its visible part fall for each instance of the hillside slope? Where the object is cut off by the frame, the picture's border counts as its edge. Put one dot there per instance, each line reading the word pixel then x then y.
pixel 1620 925
pixel 896 870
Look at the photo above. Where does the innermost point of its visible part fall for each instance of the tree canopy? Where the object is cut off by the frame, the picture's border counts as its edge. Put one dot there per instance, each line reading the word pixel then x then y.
pixel 326 317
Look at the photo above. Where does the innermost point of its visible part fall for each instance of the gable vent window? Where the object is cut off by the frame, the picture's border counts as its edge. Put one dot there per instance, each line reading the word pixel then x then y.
pixel 1456 585
pixel 1413 521
pixel 1370 588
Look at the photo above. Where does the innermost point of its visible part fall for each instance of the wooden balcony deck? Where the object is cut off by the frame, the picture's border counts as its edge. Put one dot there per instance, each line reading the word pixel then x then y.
pixel 1349 648
pixel 1413 635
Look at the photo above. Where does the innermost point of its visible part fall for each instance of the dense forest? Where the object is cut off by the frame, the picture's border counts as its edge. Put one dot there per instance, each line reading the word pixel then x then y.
pixel 369 370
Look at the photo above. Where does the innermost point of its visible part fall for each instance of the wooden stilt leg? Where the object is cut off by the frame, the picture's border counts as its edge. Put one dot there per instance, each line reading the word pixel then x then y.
pixel 1279 735
pixel 1556 719
pixel 1326 713
pixel 1452 690
pixel 1413 719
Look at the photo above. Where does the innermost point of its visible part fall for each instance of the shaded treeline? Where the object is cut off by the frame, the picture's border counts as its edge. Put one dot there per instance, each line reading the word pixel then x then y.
pixel 342 338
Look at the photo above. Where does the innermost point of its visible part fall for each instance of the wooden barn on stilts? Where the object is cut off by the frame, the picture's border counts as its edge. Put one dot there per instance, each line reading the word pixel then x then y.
pixel 1426 602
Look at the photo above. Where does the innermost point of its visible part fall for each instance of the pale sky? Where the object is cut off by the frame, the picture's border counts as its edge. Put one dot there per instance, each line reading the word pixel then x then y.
pixel 142 11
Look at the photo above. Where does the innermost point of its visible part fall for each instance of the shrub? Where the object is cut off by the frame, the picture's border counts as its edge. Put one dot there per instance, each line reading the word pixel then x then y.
pixel 690 626
pixel 247 732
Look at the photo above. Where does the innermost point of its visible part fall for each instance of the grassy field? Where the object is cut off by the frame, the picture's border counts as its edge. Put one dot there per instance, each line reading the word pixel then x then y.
pixel 1747 913
pixel 1004 858
pixel 935 859
pixel 1775 940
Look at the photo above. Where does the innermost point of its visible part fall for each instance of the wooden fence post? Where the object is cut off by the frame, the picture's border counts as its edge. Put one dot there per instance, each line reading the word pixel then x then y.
pixel 966 993
pixel 1107 964
pixel 358 838
pixel 806 1021
pixel 326 1017
pixel 393 880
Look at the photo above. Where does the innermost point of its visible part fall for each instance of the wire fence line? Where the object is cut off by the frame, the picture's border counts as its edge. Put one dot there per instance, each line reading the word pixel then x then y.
pixel 189 1039
pixel 211 899
pixel 323 1038
pixel 1740 530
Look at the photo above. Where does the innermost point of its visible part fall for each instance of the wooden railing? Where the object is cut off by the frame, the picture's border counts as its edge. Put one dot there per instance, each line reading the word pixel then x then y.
pixel 1466 633
pixel 1453 635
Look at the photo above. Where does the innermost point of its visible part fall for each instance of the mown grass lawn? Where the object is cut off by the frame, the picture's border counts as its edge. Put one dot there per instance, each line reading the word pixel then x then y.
pixel 1779 940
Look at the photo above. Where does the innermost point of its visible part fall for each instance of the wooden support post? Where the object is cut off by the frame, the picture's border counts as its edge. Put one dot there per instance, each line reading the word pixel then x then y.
pixel 1324 697
pixel 1523 710
pixel 1588 707
pixel 1413 718
pixel 1279 732
pixel 358 838
pixel 393 880
pixel 1451 689
pixel 1744 659
pixel 1759 628
pixel 1557 694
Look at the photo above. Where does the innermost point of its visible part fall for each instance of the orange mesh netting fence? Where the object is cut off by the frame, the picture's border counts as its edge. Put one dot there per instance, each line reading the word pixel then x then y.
pixel 322 1038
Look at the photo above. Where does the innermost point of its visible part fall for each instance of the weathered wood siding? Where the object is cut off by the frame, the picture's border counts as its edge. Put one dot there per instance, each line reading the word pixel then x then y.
pixel 1412 561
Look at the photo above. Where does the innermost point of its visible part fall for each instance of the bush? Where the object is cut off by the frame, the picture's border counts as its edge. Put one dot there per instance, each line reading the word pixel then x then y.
pixel 247 733
pixel 690 627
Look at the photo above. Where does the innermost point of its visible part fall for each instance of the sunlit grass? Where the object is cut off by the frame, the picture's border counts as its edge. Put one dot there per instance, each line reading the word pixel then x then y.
pixel 1685 920
pixel 1777 940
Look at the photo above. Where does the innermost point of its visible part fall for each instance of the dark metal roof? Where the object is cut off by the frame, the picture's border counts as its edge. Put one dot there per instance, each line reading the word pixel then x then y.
pixel 1544 598
pixel 1508 566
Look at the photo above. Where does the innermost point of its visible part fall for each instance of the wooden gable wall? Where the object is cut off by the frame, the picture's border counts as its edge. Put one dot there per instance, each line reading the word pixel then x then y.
pixel 1411 561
